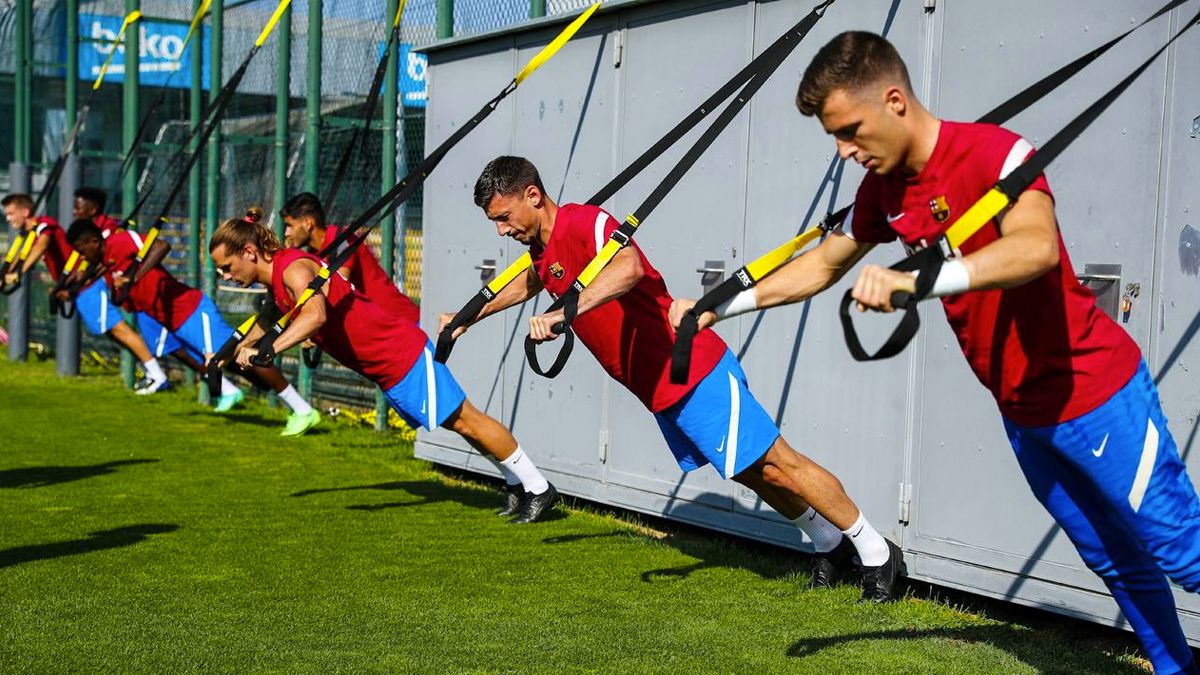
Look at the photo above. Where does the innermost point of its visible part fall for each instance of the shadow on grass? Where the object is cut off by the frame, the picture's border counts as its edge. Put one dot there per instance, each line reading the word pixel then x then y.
pixel 96 541
pixel 425 492
pixel 42 476
pixel 1045 655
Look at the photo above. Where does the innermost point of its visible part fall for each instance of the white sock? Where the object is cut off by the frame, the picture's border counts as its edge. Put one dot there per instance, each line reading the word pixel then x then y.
pixel 871 546
pixel 522 467
pixel 227 388
pixel 295 401
pixel 153 370
pixel 824 534
pixel 510 478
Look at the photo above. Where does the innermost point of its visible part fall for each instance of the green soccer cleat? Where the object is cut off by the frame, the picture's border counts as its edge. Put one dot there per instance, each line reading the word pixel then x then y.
pixel 297 424
pixel 228 402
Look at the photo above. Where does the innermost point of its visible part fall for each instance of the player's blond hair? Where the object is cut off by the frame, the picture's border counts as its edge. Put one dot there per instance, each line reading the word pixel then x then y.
pixel 234 234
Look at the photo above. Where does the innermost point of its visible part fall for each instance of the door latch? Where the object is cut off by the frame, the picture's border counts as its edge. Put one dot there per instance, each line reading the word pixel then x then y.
pixel 487 270
pixel 713 274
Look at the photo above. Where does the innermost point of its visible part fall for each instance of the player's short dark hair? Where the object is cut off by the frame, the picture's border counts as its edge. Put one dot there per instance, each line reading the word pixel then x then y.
pixel 18 199
pixel 505 175
pixel 304 205
pixel 84 227
pixel 850 61
pixel 94 195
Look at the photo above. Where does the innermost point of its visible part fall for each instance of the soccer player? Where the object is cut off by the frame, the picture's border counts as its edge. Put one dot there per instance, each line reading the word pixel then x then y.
pixel 189 314
pixel 388 350
pixel 52 247
pixel 306 229
pixel 713 418
pixel 1077 400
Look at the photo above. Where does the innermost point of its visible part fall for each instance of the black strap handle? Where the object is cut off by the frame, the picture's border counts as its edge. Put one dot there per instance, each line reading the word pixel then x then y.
pixel 9 289
pixel 312 356
pixel 570 306
pixel 446 339
pixel 927 263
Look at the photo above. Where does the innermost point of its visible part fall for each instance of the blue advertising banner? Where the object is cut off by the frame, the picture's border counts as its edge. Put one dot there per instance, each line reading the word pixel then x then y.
pixel 410 76
pixel 162 54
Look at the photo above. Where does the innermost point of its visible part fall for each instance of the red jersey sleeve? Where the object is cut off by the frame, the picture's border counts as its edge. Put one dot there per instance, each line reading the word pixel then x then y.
pixel 120 251
pixel 868 222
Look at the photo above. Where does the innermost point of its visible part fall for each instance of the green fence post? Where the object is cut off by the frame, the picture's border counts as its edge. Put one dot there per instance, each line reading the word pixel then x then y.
pixel 312 137
pixel 129 126
pixel 195 109
pixel 445 19
pixel 282 96
pixel 387 230
pixel 537 8
pixel 216 51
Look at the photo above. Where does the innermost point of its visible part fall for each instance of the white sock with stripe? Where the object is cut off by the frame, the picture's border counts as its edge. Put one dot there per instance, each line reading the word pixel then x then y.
pixel 295 401
pixel 522 467
pixel 824 534
pixel 871 546
pixel 228 388
pixel 153 370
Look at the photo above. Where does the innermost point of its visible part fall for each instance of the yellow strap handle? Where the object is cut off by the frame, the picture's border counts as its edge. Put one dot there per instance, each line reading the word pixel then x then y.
pixel 980 213
pixel 323 275
pixel 196 19
pixel 83 265
pixel 605 256
pixel 151 236
pixel 399 13
pixel 266 31
pixel 17 242
pixel 248 324
pixel 556 44
pixel 72 260
pixel 506 277
pixel 29 240
pixel 768 263
pixel 129 20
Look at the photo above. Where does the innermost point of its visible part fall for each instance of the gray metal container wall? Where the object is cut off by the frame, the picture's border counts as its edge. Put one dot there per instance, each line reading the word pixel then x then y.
pixel 916 439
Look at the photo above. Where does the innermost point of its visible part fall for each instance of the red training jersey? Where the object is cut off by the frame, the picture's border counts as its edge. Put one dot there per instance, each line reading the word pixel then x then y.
pixel 1043 349
pixel 371 280
pixel 630 336
pixel 107 224
pixel 165 298
pixel 58 250
pixel 360 334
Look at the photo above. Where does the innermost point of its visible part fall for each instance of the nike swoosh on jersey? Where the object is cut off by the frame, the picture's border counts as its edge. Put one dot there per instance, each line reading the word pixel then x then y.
pixel 892 219
pixel 1100 450
pixel 721 447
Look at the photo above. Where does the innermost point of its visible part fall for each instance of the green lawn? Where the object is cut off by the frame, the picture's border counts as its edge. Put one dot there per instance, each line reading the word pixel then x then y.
pixel 149 535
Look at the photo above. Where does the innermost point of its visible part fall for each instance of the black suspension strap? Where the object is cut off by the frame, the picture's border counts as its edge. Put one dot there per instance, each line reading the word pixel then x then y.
pixel 216 112
pixel 927 262
pixel 755 77
pixel 337 252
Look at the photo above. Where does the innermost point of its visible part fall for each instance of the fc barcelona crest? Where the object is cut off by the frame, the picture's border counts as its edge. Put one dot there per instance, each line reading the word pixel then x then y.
pixel 939 208
pixel 557 270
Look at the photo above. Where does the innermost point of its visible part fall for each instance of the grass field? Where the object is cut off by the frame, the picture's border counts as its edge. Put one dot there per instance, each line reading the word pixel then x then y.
pixel 148 535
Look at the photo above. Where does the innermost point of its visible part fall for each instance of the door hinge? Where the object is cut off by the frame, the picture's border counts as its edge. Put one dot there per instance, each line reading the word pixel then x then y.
pixel 905 502
pixel 603 448
pixel 618 48
pixel 930 5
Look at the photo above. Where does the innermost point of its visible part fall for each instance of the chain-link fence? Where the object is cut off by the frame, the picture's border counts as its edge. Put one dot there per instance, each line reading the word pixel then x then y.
pixel 264 147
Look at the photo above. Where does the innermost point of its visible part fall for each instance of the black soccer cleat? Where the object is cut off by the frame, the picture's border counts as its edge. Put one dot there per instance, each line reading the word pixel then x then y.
pixel 879 583
pixel 513 494
pixel 828 567
pixel 535 507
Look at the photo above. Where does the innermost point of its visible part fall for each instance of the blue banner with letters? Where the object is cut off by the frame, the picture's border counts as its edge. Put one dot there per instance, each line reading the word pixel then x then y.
pixel 410 76
pixel 163 60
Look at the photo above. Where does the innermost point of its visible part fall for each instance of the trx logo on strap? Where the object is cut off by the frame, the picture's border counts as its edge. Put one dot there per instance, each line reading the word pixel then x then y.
pixel 487 293
pixel 939 208
pixel 743 278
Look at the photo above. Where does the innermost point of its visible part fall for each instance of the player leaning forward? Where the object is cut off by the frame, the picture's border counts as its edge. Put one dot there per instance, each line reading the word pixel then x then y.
pixel 1078 403
pixel 713 418
pixel 388 350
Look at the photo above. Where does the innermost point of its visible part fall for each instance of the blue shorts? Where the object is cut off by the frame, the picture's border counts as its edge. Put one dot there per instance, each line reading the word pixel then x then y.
pixel 1114 482
pixel 428 394
pixel 719 423
pixel 204 331
pixel 95 308
pixel 160 340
